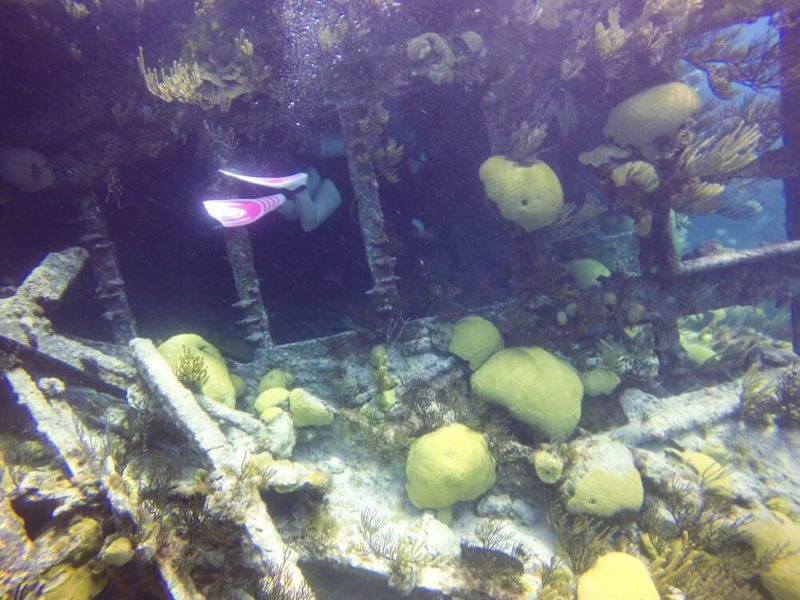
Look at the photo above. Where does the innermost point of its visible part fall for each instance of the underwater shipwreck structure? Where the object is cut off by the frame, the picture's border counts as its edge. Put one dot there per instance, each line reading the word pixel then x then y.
pixel 131 476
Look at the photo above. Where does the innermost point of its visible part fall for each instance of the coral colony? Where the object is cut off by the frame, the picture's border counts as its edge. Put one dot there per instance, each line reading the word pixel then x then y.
pixel 516 316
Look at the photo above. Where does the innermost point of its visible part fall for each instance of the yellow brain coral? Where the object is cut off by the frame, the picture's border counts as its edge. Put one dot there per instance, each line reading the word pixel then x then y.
pixel 655 112
pixel 447 466
pixel 536 387
pixel 475 339
pixel 773 532
pixel 617 576
pixel 218 385
pixel 530 196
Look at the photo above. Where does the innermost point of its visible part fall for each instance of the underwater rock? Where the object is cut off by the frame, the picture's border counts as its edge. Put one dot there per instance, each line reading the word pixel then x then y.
pixel 287 476
pixel 80 540
pixel 536 387
pixel 47 487
pixel 247 433
pixel 474 340
pixel 654 418
pixel 525 512
pixel 333 465
pixel 280 434
pixel 603 481
pixel 495 505
pixel 117 553
pixel 51 386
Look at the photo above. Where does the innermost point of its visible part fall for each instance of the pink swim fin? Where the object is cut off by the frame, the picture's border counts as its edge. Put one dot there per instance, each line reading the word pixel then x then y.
pixel 288 182
pixel 236 212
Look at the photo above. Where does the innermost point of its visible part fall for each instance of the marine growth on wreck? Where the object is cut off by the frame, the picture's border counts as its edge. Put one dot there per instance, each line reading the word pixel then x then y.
pixel 383 299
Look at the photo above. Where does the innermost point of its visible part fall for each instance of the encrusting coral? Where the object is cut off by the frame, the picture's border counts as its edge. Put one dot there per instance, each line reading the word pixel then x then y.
pixel 432 57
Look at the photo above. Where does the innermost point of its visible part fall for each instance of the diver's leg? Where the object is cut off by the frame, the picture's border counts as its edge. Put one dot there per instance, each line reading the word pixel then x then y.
pixel 314 179
pixel 306 210
pixel 289 209
pixel 313 212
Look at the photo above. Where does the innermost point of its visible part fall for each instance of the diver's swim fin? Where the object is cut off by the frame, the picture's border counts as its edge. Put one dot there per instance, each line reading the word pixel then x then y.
pixel 288 182
pixel 236 212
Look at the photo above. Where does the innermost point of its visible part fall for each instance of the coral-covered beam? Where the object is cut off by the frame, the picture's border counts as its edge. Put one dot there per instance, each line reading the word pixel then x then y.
pixel 51 278
pixel 61 427
pixel 24 327
pixel 223 460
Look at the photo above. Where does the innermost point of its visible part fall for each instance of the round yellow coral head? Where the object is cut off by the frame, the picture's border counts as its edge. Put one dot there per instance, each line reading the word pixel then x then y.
pixel 447 466
pixel 655 112
pixel 530 196
pixel 475 339
pixel 617 576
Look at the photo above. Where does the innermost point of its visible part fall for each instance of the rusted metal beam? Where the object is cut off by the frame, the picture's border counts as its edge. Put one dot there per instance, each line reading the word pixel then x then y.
pixel 255 319
pixel 790 92
pixel 107 274
pixel 370 217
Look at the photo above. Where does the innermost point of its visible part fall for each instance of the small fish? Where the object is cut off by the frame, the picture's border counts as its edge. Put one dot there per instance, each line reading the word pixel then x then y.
pixel 236 212
pixel 418 230
pixel 287 182
pixel 417 163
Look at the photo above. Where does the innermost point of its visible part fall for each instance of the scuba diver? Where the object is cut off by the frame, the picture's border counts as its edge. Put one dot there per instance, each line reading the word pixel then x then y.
pixel 305 196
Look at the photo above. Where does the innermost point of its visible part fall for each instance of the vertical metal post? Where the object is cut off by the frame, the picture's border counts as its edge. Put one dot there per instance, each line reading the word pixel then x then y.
pixel 105 267
pixel 790 92
pixel 370 217
pixel 255 320
pixel 659 260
